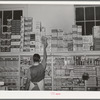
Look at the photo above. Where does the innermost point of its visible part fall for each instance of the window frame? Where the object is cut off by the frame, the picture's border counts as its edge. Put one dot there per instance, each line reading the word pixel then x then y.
pixel 85 21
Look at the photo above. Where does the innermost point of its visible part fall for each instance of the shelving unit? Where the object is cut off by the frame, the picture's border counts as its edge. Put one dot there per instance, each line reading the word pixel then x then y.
pixel 50 77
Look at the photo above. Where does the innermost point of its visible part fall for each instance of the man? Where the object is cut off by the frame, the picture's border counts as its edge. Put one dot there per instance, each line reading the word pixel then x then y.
pixel 36 72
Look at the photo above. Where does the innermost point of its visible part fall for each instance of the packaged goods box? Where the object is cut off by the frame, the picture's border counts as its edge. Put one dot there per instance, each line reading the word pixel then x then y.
pixel 96 31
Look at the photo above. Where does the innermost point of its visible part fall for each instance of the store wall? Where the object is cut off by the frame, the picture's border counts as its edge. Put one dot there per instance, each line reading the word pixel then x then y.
pixel 53 16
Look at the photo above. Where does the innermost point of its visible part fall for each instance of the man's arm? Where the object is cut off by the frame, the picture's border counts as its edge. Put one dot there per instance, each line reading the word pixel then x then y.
pixel 44 53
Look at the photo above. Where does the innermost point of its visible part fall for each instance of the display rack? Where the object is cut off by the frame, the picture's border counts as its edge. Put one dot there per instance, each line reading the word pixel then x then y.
pixel 50 79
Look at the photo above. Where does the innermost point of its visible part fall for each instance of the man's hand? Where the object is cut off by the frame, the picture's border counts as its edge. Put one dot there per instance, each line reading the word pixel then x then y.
pixel 44 41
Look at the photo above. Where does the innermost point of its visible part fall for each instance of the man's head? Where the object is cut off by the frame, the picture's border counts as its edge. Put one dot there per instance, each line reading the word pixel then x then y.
pixel 36 58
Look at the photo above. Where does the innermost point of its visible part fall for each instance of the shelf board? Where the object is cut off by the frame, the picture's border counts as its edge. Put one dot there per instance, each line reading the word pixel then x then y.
pixel 70 53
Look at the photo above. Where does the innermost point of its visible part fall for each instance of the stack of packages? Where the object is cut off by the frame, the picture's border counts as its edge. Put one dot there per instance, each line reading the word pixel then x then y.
pixel 10 72
pixel 39 32
pixel 79 67
pixel 96 37
pixel 98 76
pixel 5 37
pixel 22 34
pixel 87 42
pixel 60 40
pixel 70 42
pixel 69 61
pixel 15 37
pixel 91 70
pixel 38 36
pixel 8 35
pixel 91 82
pixel 25 63
pixel 57 84
pixel 65 42
pixel 77 38
pixel 54 40
pixel 59 72
pixel 28 26
pixel 48 75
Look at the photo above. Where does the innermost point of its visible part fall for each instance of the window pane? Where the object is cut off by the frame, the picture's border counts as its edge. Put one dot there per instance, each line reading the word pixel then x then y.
pixel 89 26
pixel 81 24
pixel 4 29
pixel 98 23
pixel 17 14
pixel 97 13
pixel 6 15
pixel 89 13
pixel 79 14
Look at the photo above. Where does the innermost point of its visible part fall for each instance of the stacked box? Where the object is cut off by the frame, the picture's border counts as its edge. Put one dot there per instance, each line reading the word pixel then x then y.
pixel 69 40
pixel 37 26
pixel 15 37
pixel 78 71
pixel 96 44
pixel 54 40
pixel 60 40
pixel 91 81
pixel 5 40
pixel 57 83
pixel 91 70
pixel 87 42
pixel 15 43
pixel 22 34
pixel 96 31
pixel 70 45
pixel 59 62
pixel 77 38
pixel 98 75
pixel 96 36
pixel 48 84
pixel 16 27
pixel 28 27
pixel 98 80
pixel 65 43
pixel 32 42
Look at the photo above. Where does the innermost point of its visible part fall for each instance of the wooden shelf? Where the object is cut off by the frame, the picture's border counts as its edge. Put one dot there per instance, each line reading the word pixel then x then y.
pixel 70 53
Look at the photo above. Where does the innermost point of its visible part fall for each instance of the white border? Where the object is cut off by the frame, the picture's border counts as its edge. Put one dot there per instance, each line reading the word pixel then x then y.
pixel 50 94
pixel 52 2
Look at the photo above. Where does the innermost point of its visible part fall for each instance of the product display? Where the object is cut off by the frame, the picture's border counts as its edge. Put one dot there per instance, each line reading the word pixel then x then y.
pixel 9 72
pixel 66 64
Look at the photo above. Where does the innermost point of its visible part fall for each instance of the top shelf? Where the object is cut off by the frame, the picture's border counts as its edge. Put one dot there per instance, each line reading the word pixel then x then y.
pixel 70 53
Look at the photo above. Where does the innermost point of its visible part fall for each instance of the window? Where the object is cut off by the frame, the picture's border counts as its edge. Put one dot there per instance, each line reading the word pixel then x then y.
pixel 9 25
pixel 9 14
pixel 87 17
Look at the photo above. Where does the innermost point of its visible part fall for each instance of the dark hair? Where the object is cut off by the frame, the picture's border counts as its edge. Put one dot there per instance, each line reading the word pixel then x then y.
pixel 36 58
